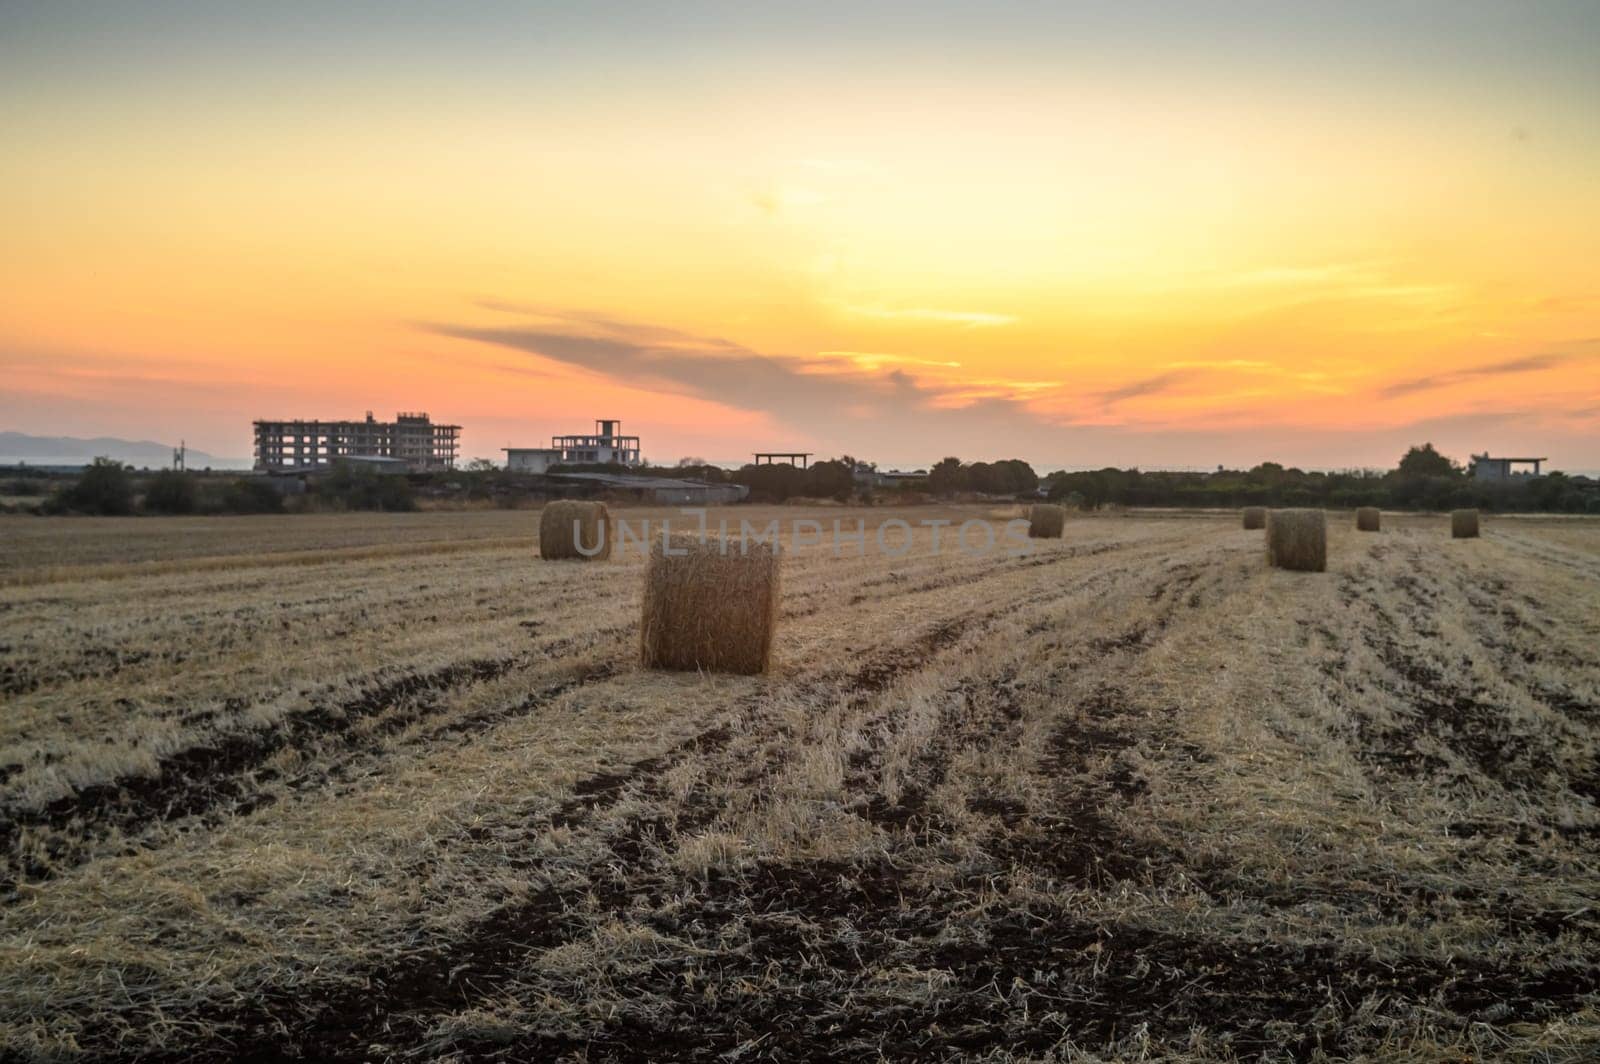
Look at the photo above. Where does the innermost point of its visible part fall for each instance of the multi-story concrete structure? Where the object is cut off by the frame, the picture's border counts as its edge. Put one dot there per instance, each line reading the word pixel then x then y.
pixel 410 438
pixel 606 446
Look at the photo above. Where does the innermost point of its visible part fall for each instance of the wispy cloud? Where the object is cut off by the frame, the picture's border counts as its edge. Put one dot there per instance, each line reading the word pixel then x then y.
pixel 1146 386
pixel 1509 367
pixel 874 359
pixel 971 319
pixel 1220 363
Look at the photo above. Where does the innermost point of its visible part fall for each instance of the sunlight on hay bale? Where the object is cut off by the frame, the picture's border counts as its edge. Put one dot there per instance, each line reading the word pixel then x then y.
pixel 1046 521
pixel 709 610
pixel 1464 524
pixel 1298 539
pixel 1367 519
pixel 1255 517
pixel 565 525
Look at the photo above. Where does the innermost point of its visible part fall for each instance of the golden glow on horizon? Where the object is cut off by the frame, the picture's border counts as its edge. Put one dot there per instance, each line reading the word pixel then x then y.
pixel 1167 261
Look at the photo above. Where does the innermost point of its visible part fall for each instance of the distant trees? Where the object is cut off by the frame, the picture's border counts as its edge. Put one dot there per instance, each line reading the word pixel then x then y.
pixel 252 495
pixel 1010 476
pixel 773 483
pixel 104 488
pixel 171 492
pixel 945 477
pixel 1423 480
pixel 353 489
pixel 1424 461
pixel 831 480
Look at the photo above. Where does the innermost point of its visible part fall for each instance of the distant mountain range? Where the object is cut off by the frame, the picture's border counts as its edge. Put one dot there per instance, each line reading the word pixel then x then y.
pixel 18 447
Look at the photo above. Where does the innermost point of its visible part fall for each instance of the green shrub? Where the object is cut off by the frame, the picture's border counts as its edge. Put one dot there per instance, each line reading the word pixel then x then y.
pixel 170 492
pixel 252 495
pixel 104 488
pixel 24 487
pixel 353 489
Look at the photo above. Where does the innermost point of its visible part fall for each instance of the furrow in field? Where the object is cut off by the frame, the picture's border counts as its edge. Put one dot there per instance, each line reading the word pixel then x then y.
pixel 481 960
pixel 230 773
pixel 1463 709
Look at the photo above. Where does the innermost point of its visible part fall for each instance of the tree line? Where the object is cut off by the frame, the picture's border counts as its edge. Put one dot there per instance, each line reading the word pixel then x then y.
pixel 111 489
pixel 1424 479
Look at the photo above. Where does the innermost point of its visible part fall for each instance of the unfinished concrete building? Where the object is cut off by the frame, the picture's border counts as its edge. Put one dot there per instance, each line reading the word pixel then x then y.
pixel 410 438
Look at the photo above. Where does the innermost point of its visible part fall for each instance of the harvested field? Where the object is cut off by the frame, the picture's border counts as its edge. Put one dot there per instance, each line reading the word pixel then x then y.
pixel 409 795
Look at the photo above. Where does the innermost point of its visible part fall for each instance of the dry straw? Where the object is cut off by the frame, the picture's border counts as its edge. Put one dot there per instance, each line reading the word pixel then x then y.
pixel 709 605
pixel 1367 519
pixel 1298 539
pixel 1255 517
pixel 565 525
pixel 1046 521
pixel 1464 524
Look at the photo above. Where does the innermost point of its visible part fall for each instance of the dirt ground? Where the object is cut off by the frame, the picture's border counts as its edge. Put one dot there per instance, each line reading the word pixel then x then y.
pixel 389 787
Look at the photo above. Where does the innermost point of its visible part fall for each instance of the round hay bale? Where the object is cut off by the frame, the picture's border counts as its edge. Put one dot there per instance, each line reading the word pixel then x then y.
pixel 565 525
pixel 1463 524
pixel 709 610
pixel 1367 519
pixel 1255 517
pixel 1046 521
pixel 1298 539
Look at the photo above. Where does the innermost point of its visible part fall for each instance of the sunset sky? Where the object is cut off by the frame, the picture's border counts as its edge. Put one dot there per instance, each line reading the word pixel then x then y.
pixel 1171 235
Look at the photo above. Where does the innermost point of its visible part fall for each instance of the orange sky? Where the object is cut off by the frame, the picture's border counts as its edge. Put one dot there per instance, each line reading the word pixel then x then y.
pixel 1163 238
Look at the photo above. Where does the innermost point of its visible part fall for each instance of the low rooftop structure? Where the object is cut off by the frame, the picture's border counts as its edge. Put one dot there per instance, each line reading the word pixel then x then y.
pixel 1487 468
pixel 789 457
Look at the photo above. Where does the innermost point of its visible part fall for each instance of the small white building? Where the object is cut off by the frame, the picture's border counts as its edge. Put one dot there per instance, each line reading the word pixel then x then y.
pixel 533 459
pixel 605 446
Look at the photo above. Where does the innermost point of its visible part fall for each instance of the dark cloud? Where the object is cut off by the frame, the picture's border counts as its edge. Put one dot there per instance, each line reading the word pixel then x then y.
pixel 1525 364
pixel 821 397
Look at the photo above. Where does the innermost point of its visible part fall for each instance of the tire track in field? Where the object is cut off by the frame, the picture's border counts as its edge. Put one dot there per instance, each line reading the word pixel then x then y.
pixel 226 773
pixel 224 777
pixel 627 838
pixel 479 960
pixel 342 1023
pixel 872 676
pixel 1074 840
pixel 1551 554
pixel 1438 708
pixel 1122 975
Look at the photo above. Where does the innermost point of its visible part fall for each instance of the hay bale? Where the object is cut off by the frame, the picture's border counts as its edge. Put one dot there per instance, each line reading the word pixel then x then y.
pixel 1046 521
pixel 1255 517
pixel 1298 539
pixel 1464 524
pixel 565 524
pixel 1367 519
pixel 709 610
